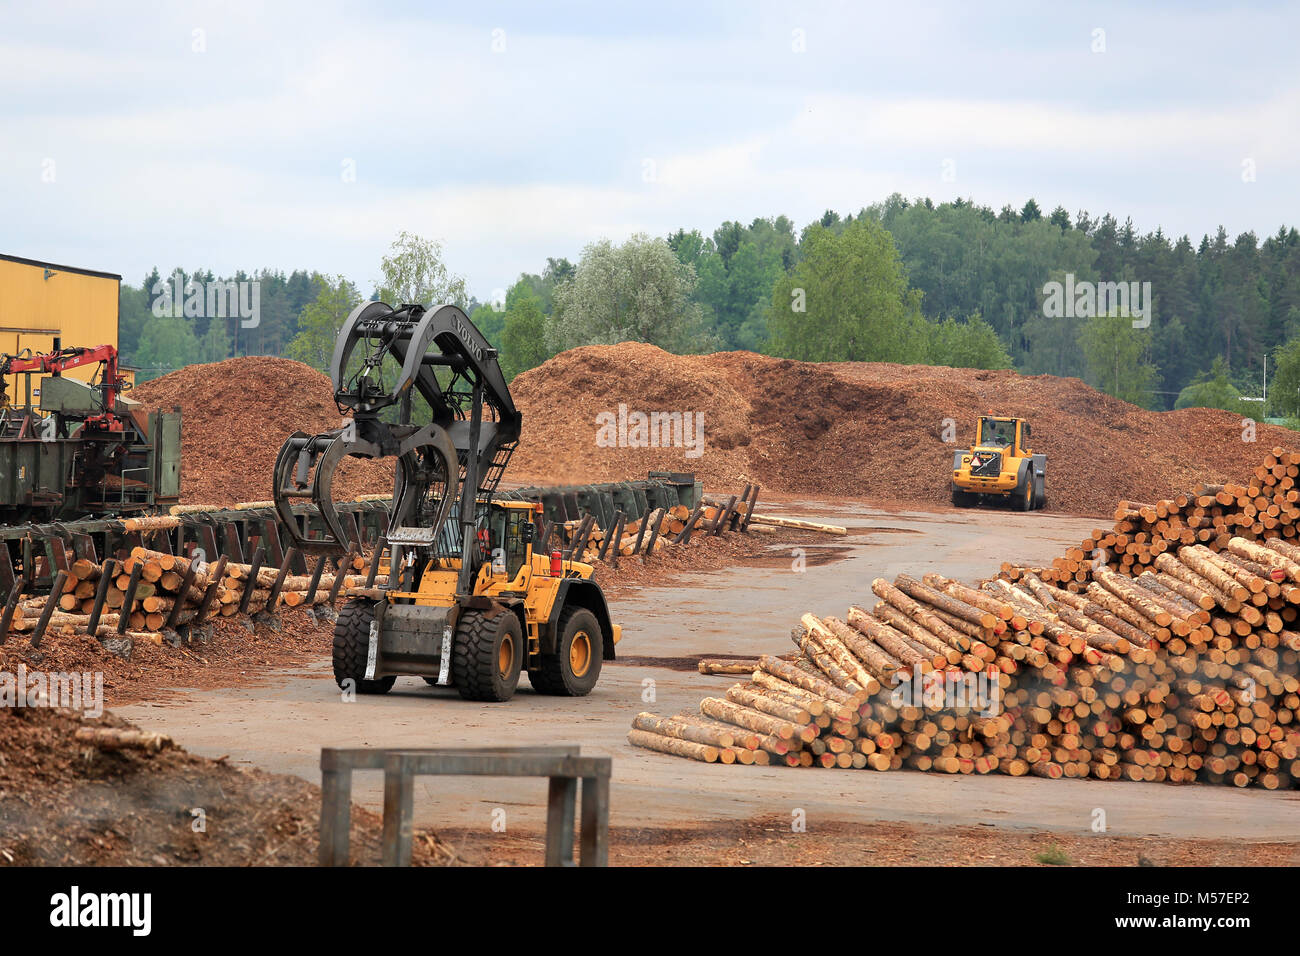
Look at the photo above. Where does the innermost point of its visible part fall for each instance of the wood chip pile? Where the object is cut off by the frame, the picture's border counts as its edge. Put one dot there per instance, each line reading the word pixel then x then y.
pixel 772 420
pixel 1181 667
pixel 236 414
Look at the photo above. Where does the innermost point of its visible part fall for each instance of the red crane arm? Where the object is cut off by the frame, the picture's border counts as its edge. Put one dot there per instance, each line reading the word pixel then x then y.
pixel 65 359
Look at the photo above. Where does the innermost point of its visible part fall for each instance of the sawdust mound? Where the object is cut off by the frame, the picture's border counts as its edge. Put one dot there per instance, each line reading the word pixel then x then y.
pixel 862 430
pixel 236 414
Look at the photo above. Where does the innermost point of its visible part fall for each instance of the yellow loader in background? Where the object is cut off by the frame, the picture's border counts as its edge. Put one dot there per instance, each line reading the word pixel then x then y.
pixel 1000 464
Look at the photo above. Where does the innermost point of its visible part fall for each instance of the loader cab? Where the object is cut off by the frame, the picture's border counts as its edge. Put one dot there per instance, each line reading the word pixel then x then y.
pixel 1005 434
pixel 506 539
pixel 997 433
pixel 504 534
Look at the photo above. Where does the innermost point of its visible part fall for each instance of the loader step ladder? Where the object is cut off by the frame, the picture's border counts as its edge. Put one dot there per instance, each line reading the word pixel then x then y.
pixel 495 469
pixel 491 476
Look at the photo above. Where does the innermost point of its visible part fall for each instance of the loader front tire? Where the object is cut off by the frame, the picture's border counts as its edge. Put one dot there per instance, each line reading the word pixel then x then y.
pixel 963 499
pixel 1023 498
pixel 486 655
pixel 352 648
pixel 575 667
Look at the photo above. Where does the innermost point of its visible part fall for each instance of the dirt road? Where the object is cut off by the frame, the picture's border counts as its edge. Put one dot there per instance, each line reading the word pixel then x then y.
pixel 282 724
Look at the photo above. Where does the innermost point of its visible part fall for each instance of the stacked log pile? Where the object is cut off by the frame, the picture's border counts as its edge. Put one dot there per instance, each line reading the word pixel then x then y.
pixel 1184 667
pixel 647 535
pixel 1266 506
pixel 166 592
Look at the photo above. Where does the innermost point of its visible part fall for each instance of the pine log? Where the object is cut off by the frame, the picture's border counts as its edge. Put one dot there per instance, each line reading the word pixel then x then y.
pixel 673 745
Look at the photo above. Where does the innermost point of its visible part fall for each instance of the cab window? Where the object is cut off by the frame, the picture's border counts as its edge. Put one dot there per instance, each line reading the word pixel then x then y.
pixel 997 434
pixel 516 540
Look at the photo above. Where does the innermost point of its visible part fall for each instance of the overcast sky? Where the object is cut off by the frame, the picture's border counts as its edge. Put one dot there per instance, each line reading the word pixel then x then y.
pixel 307 135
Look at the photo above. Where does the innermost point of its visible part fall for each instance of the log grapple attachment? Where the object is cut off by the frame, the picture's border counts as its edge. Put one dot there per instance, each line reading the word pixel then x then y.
pixel 451 446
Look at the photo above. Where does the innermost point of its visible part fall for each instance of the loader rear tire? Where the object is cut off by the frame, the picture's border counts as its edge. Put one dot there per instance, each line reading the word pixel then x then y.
pixel 486 655
pixel 352 647
pixel 575 667
pixel 1040 492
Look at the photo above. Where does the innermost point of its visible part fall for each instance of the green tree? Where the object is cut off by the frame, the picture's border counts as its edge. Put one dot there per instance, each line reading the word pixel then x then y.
pixel 166 344
pixel 320 320
pixel 133 315
pixel 1284 396
pixel 638 292
pixel 523 342
pixel 490 322
pixel 847 300
pixel 214 346
pixel 1115 355
pixel 1213 389
pixel 413 272
pixel 737 270
pixel 970 344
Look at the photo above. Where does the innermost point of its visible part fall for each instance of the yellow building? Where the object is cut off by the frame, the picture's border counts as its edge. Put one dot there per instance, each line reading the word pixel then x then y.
pixel 42 301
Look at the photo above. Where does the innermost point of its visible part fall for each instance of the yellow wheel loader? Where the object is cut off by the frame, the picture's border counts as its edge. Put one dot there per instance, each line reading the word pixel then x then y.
pixel 1001 464
pixel 467 603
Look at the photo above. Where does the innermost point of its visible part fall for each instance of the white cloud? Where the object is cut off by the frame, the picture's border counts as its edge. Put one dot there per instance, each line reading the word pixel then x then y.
pixel 231 158
pixel 970 125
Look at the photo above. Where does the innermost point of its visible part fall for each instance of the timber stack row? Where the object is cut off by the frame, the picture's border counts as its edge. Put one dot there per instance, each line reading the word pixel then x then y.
pixel 583 540
pixel 662 528
pixel 1185 669
pixel 151 592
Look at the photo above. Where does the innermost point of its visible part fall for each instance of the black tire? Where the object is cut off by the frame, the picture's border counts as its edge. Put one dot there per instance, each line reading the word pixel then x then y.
pixel 352 647
pixel 963 499
pixel 580 650
pixel 486 655
pixel 1022 499
pixel 1040 492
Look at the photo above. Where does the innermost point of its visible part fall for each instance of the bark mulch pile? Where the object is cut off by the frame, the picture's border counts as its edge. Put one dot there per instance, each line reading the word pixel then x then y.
pixel 862 430
pixel 234 657
pixel 68 803
pixel 236 414
pixel 848 429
